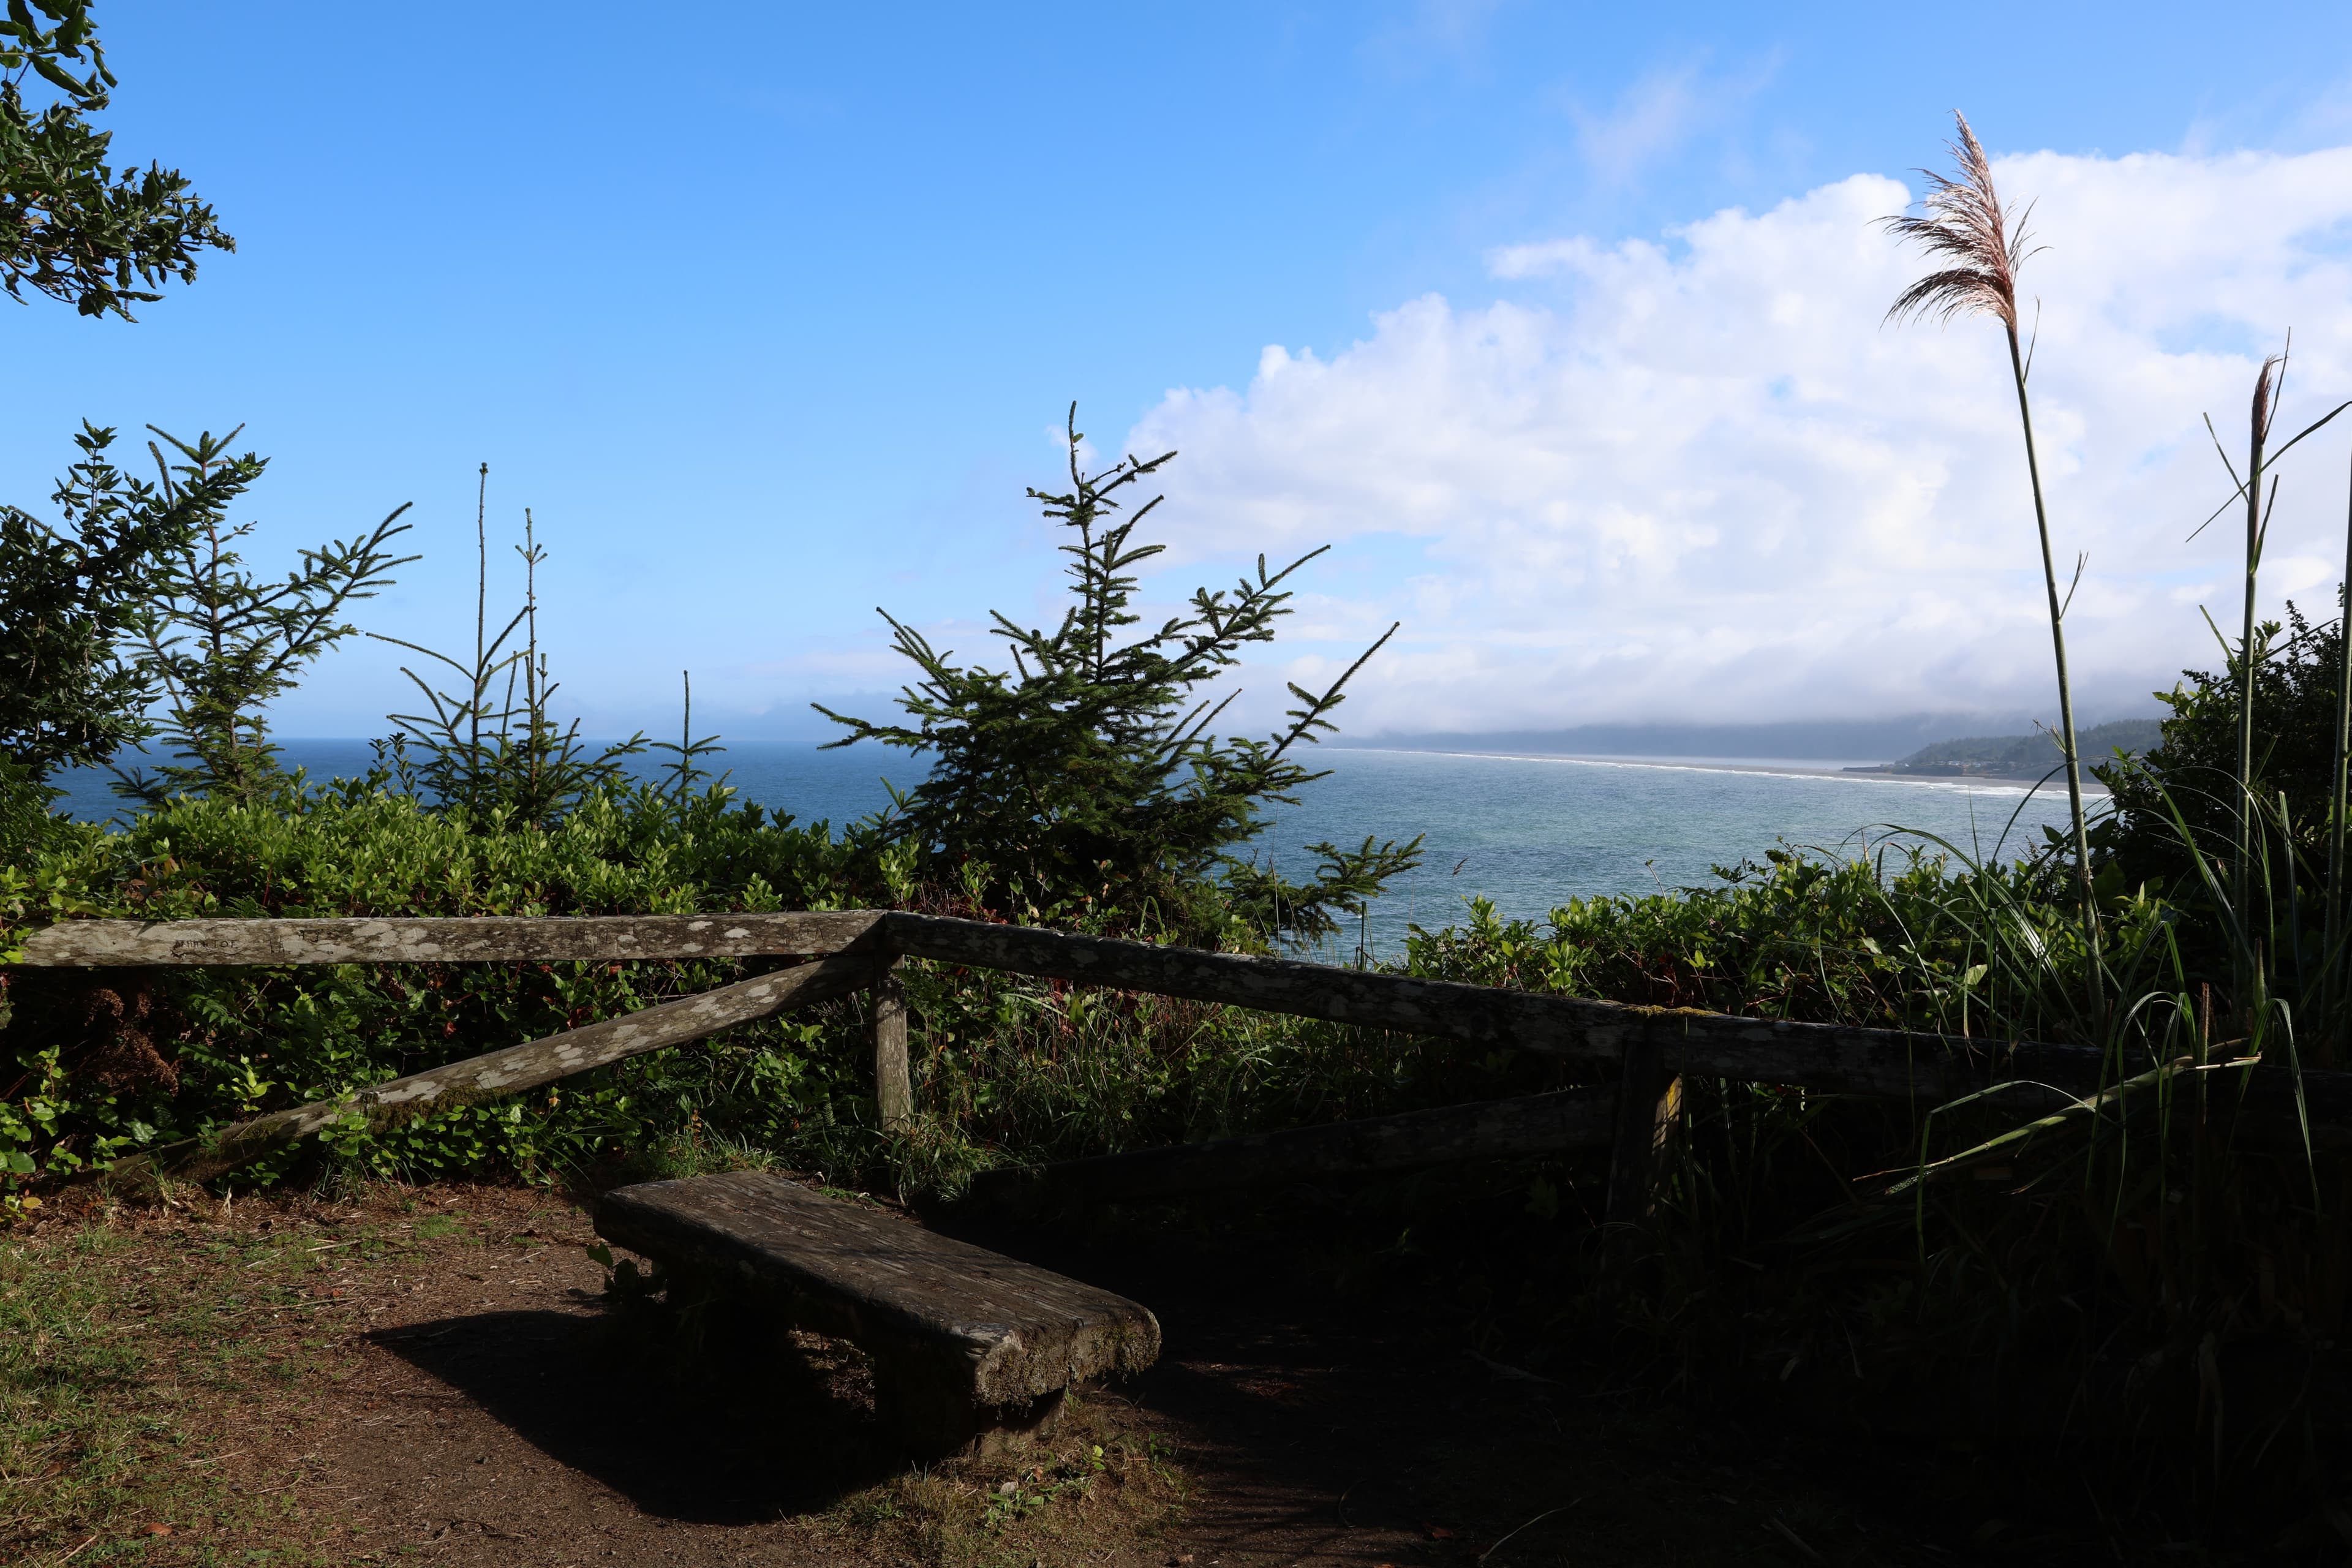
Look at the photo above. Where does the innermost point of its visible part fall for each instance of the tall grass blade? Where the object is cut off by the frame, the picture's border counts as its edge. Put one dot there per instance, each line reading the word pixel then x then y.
pixel 2332 999
pixel 1966 224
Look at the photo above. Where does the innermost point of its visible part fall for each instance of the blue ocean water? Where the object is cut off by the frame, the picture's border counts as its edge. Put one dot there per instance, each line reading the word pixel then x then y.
pixel 1529 833
pixel 1526 832
pixel 837 787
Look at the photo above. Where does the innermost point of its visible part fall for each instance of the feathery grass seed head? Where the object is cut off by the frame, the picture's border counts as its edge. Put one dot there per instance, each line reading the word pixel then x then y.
pixel 1963 223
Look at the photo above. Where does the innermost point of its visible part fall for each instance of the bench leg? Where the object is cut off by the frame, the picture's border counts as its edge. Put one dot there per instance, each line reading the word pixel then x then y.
pixel 933 1419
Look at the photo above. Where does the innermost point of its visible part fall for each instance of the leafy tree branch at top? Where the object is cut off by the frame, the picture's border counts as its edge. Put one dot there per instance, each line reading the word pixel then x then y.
pixel 73 226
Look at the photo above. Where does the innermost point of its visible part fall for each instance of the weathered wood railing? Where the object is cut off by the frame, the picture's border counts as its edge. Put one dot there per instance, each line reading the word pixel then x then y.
pixel 487 938
pixel 850 951
pixel 841 950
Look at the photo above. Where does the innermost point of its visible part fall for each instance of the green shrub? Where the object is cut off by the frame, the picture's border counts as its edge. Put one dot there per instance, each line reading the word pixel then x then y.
pixel 1008 1067
pixel 2193 769
pixel 112 1060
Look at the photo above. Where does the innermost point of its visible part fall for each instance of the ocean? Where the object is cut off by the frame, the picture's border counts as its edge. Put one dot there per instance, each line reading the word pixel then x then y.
pixel 1528 832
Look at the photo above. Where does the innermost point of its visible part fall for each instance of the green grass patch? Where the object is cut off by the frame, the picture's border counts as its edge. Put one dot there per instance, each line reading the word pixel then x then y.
pixel 125 1353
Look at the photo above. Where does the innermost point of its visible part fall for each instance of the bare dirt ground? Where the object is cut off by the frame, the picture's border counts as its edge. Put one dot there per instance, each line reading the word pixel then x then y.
pixel 436 1375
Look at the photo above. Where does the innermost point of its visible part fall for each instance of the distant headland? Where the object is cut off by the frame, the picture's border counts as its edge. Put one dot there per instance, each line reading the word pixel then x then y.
pixel 2027 756
pixel 2002 746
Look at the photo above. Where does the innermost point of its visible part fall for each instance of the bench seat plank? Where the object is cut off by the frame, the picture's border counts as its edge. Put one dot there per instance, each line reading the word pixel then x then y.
pixel 941 1318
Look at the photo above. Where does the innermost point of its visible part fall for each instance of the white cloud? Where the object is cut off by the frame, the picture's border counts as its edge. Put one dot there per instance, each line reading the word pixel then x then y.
pixel 1699 479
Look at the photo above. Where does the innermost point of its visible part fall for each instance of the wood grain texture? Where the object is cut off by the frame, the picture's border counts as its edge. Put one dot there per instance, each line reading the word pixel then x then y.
pixel 483 940
pixel 1534 1125
pixel 518 1068
pixel 998 1332
pixel 894 1087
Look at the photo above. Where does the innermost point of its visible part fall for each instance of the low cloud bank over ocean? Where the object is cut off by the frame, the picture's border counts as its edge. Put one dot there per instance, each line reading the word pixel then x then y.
pixel 1698 478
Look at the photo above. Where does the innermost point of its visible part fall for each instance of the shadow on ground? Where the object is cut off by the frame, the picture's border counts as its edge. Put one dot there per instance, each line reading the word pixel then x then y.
pixel 696 1422
pixel 1340 1417
pixel 1319 1412
pixel 1389 1415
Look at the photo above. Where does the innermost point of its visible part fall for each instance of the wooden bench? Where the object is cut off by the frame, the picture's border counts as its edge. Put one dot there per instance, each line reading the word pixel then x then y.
pixel 971 1349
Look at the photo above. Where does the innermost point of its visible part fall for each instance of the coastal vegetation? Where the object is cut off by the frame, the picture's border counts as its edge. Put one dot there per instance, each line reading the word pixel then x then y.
pixel 2114 1282
pixel 1773 1241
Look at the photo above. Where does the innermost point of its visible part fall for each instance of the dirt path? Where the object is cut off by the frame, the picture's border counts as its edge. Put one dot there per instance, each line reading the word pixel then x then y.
pixel 436 1375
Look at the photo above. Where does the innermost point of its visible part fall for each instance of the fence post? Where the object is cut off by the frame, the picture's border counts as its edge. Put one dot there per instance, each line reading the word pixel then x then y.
pixel 1648 1103
pixel 894 1088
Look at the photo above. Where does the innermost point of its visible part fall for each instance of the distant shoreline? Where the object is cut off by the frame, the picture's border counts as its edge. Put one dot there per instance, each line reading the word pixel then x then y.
pixel 1781 767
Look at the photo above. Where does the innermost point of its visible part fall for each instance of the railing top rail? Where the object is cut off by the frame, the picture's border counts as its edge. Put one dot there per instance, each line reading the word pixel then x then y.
pixel 483 939
pixel 1895 1063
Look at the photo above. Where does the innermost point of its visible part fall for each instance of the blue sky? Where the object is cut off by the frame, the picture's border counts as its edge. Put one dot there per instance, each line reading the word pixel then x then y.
pixel 767 313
